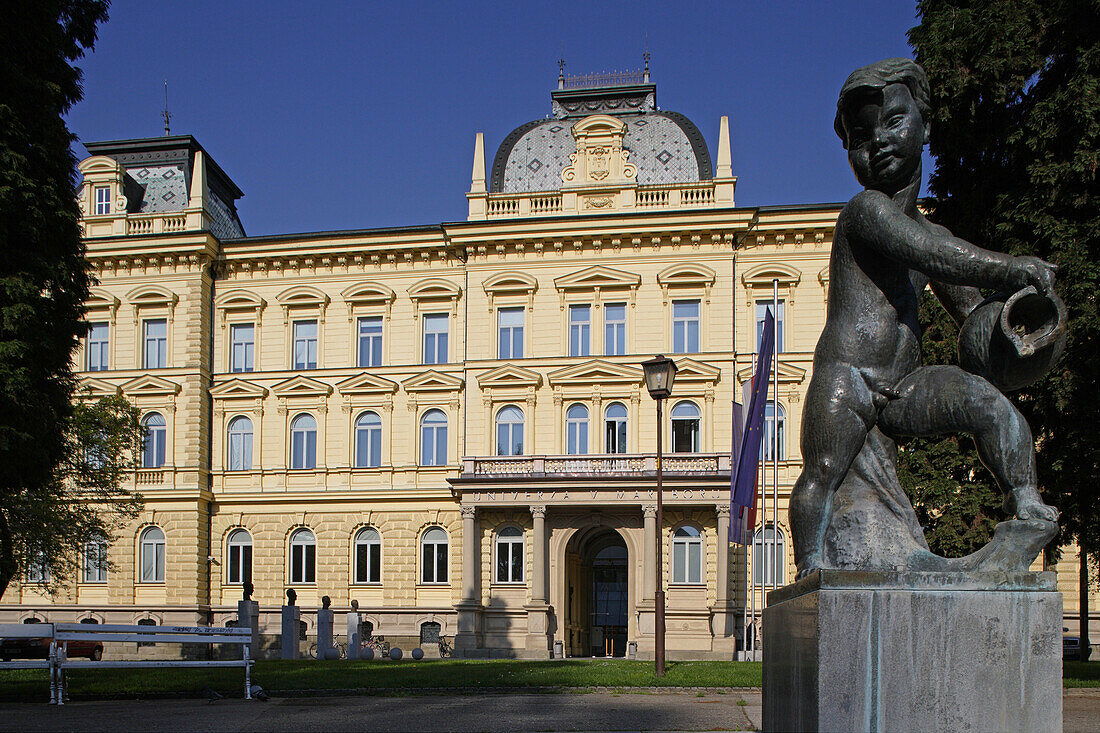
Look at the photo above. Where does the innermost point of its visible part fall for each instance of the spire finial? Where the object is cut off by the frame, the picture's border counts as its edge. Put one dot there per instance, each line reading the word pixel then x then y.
pixel 165 114
pixel 645 57
pixel 561 71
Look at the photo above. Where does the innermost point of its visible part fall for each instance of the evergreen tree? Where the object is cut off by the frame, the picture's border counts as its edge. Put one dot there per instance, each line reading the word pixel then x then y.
pixel 1016 136
pixel 43 274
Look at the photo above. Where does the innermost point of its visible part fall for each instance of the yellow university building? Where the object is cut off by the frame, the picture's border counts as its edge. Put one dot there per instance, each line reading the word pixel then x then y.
pixel 447 423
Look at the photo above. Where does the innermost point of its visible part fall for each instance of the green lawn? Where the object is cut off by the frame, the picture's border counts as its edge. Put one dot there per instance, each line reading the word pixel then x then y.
pixel 277 676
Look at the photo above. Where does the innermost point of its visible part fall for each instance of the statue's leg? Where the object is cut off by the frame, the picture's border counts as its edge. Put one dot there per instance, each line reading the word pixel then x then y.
pixel 945 399
pixel 839 411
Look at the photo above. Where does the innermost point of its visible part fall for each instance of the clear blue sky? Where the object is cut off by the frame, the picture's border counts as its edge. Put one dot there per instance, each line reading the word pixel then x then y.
pixel 346 115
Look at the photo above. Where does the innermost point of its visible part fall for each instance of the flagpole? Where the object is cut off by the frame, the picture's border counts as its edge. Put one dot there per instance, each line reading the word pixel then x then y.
pixel 775 437
pixel 752 569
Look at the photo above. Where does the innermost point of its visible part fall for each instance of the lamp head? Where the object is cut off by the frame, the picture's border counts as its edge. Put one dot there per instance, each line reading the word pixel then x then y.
pixel 660 373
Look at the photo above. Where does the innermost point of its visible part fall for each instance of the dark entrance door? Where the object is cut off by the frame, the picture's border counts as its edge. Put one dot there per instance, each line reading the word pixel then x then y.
pixel 608 635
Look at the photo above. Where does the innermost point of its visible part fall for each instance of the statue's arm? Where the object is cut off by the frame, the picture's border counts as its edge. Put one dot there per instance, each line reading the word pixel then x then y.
pixel 958 300
pixel 872 220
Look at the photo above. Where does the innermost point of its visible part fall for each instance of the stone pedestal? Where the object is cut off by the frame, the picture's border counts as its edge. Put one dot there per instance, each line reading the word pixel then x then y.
pixel 869 651
pixel 290 631
pixel 324 632
pixel 248 617
pixel 537 643
pixel 467 641
pixel 353 635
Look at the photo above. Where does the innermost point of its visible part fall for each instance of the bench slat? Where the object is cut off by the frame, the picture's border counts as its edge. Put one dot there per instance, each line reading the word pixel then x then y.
pixel 137 628
pixel 154 638
pixel 26 631
pixel 86 664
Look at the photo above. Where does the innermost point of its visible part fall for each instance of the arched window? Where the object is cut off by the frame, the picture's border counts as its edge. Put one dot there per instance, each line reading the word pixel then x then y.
pixel 95 561
pixel 769 551
pixel 240 444
pixel 576 430
pixel 429 633
pixel 152 456
pixel 774 444
pixel 368 441
pixel 303 442
pixel 433 438
pixel 152 555
pixel 687 555
pixel 614 422
pixel 510 555
pixel 303 557
pixel 510 431
pixel 239 550
pixel 685 428
pixel 368 556
pixel 433 556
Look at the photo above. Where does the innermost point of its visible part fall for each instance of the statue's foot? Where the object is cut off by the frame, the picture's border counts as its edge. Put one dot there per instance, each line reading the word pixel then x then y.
pixel 809 564
pixel 1034 508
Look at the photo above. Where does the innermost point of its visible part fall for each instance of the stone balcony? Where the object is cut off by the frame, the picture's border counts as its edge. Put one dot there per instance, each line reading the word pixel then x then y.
pixel 627 465
pixel 598 200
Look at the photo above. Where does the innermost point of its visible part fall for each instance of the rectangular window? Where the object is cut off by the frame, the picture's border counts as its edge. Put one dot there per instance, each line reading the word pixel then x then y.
pixel 580 329
pixel 98 345
pixel 510 333
pixel 762 307
pixel 370 342
pixel 614 320
pixel 95 562
pixel 685 326
pixel 368 562
pixel 435 338
pixel 240 563
pixel 38 571
pixel 303 563
pixel 102 200
pixel 242 346
pixel 305 344
pixel 156 344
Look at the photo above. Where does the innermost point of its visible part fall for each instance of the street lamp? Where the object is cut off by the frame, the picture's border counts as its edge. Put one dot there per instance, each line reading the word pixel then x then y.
pixel 660 373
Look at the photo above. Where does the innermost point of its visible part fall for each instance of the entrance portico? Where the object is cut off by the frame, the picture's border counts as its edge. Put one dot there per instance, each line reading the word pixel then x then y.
pixel 590 536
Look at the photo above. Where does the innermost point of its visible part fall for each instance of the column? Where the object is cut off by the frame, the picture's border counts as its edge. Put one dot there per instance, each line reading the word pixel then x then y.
pixel 469 555
pixel 538 556
pixel 722 595
pixel 649 552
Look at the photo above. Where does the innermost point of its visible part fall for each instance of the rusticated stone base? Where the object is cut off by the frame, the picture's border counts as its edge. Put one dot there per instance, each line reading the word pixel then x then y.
pixel 863 651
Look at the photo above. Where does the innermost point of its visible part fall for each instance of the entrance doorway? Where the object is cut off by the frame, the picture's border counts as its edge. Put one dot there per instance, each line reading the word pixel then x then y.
pixel 597 584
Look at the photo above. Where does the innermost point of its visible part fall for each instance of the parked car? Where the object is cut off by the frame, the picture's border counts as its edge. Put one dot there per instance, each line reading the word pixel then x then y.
pixel 1071 648
pixel 39 648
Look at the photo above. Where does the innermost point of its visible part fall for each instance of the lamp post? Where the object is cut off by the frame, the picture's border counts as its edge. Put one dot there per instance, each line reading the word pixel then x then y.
pixel 660 373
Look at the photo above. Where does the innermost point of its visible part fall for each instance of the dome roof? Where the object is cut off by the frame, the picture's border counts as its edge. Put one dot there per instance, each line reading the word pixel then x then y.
pixel 666 147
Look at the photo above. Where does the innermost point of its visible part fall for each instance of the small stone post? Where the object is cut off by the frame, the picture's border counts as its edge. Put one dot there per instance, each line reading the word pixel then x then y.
pixel 291 625
pixel 248 617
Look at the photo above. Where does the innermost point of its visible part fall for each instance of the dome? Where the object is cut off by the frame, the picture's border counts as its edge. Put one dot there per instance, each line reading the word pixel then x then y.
pixel 665 147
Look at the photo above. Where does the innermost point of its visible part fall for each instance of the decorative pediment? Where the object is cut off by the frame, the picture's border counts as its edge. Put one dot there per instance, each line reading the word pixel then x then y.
pixel 600 157
pixel 366 383
pixel 367 293
pixel 149 385
pixel 300 386
pixel 152 296
pixel 686 275
pixel 598 277
pixel 596 372
pixel 432 381
pixel 96 389
pixel 100 299
pixel 762 275
pixel 509 375
pixel 98 166
pixel 689 370
pixel 788 374
pixel 238 389
pixel 239 300
pixel 302 295
pixel 434 289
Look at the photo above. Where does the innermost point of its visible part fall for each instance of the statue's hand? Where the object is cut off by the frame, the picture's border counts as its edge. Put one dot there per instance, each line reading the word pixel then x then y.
pixel 1035 509
pixel 809 564
pixel 1034 271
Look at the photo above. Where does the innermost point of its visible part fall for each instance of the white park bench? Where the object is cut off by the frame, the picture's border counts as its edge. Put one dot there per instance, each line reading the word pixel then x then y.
pixel 31 631
pixel 63 633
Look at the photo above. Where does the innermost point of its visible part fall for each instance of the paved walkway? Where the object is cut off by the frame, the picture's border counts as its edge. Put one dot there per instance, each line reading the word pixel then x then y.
pixel 598 711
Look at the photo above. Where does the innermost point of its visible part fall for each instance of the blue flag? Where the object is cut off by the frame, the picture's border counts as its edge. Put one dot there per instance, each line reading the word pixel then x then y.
pixel 743 479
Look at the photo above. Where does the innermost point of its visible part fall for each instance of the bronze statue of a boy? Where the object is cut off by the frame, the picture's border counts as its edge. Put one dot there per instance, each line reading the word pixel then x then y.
pixel 867 366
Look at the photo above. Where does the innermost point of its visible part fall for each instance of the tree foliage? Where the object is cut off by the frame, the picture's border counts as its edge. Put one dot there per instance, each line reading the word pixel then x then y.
pixel 86 498
pixel 43 274
pixel 1016 137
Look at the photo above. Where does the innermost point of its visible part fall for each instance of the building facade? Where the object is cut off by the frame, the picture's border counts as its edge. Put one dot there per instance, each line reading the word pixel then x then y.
pixel 448 423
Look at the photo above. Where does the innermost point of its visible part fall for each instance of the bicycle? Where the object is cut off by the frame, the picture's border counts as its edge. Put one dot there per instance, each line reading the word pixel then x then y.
pixel 445 648
pixel 341 649
pixel 379 644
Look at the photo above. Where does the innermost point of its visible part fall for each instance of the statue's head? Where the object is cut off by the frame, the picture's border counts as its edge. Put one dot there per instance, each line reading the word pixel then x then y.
pixel 354 605
pixel 325 601
pixel 291 596
pixel 882 118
